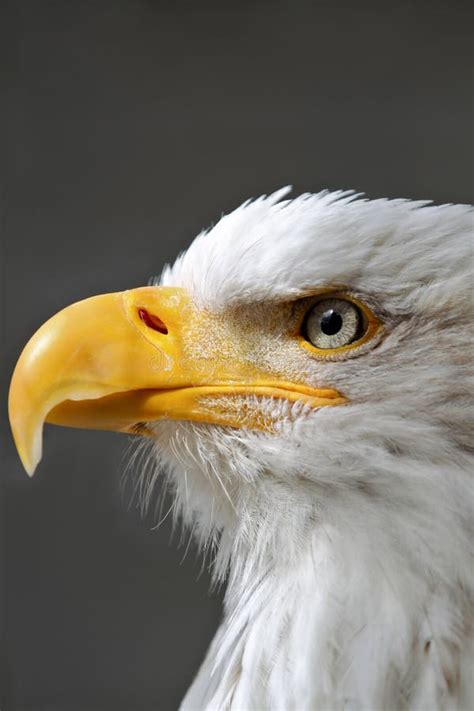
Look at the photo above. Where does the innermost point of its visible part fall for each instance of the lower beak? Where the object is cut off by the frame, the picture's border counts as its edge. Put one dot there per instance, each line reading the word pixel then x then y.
pixel 120 360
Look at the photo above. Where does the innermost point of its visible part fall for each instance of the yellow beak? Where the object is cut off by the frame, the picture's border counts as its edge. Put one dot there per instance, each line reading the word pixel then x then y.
pixel 118 361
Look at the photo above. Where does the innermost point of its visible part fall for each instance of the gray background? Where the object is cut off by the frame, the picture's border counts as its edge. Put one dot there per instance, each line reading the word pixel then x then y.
pixel 130 125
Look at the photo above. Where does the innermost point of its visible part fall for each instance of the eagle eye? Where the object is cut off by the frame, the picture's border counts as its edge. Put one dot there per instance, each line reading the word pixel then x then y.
pixel 337 322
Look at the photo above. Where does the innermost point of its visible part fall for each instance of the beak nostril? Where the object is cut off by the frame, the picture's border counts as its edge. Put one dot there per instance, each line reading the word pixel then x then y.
pixel 152 321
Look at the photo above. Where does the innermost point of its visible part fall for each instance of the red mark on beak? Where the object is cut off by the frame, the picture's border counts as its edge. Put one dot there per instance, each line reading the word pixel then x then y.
pixel 152 321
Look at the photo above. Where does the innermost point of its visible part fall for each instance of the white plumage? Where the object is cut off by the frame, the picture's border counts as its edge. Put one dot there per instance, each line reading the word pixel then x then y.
pixel 304 376
pixel 345 536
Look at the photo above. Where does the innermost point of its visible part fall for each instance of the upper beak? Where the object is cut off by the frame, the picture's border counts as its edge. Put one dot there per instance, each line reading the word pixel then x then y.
pixel 117 360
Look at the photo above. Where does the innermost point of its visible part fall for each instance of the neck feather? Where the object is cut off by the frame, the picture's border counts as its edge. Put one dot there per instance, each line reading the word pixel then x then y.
pixel 331 609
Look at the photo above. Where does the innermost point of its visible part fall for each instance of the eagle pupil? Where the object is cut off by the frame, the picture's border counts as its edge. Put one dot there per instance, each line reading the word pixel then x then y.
pixel 331 322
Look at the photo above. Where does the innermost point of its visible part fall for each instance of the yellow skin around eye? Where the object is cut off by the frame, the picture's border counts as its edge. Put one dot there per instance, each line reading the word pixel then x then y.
pixel 372 327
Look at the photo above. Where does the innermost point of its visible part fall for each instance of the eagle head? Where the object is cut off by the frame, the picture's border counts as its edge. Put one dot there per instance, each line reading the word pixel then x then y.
pixel 301 376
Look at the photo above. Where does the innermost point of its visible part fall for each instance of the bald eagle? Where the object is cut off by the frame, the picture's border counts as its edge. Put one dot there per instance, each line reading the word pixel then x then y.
pixel 302 375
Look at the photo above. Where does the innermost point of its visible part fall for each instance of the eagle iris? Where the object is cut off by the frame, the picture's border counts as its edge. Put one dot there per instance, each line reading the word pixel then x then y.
pixel 333 323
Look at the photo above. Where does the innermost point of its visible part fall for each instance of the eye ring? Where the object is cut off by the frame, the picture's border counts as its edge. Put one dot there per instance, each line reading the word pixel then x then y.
pixel 337 324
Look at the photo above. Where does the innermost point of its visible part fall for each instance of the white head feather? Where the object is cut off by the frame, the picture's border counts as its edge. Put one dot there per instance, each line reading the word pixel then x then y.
pixel 345 536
